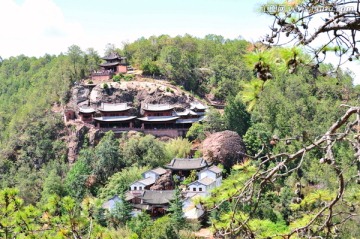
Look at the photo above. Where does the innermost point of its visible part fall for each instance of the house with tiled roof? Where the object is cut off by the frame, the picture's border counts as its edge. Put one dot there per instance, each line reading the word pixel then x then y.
pixel 183 166
pixel 209 178
pixel 149 178
pixel 154 173
pixel 157 202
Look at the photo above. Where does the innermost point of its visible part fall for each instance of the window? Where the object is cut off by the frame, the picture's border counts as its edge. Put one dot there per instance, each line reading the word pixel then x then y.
pixel 135 188
pixel 200 189
pixel 194 189
pixel 140 188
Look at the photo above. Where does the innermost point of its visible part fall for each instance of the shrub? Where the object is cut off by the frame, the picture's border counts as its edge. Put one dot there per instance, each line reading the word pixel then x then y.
pixel 116 78
pixel 129 77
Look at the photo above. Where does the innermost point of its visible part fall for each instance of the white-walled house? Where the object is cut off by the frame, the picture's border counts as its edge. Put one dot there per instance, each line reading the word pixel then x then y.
pixel 154 173
pixel 149 178
pixel 209 178
pixel 202 185
pixel 212 172
pixel 142 184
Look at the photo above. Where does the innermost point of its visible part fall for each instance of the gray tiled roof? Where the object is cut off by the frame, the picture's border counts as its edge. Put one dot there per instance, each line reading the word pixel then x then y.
pixel 114 118
pixel 213 168
pixel 158 118
pixel 205 181
pixel 108 107
pixel 185 112
pixel 157 107
pixel 197 105
pixel 147 181
pixel 110 204
pixel 112 56
pixel 187 163
pixel 189 121
pixel 158 197
pixel 87 110
pixel 110 64
pixel 159 170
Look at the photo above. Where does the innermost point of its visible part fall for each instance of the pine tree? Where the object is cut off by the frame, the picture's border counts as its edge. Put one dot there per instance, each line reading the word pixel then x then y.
pixel 121 213
pixel 236 116
pixel 176 212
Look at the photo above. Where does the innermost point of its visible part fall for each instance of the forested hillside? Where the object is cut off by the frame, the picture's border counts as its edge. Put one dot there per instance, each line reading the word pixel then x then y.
pixel 276 99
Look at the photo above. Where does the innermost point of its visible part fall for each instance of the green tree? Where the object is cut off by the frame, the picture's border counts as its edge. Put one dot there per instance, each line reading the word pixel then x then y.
pixel 120 181
pixel 16 219
pixel 139 224
pixel 236 117
pixel 92 60
pixel 75 181
pixel 144 150
pixel 107 158
pixel 52 185
pixel 76 59
pixel 176 212
pixel 121 213
pixel 251 93
pixel 178 148
pixel 196 131
pixel 214 121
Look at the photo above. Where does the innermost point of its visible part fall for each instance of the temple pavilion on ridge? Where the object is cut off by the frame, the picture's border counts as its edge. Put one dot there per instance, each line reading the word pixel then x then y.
pixel 113 65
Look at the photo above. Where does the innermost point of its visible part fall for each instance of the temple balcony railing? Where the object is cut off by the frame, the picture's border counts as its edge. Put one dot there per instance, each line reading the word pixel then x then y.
pixel 103 73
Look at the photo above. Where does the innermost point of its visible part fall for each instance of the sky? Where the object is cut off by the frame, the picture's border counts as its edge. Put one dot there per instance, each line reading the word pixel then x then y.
pixel 37 27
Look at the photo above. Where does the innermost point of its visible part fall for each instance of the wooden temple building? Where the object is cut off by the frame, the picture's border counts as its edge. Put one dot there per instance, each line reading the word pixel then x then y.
pixel 155 119
pixel 86 114
pixel 113 65
pixel 115 116
pixel 158 116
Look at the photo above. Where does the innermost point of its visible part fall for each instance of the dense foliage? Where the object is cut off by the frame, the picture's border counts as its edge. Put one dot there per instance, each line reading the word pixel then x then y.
pixel 275 106
pixel 212 65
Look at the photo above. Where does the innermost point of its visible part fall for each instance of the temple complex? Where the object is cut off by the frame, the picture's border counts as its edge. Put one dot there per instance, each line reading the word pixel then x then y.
pixel 156 119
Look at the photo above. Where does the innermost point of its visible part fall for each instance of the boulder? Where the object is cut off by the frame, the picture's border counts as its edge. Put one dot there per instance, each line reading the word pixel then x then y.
pixel 224 147
pixel 80 94
pixel 164 182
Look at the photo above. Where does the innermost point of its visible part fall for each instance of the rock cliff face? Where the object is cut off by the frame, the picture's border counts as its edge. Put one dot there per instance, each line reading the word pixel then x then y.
pixel 138 92
pixel 165 182
pixel 224 147
pixel 77 133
